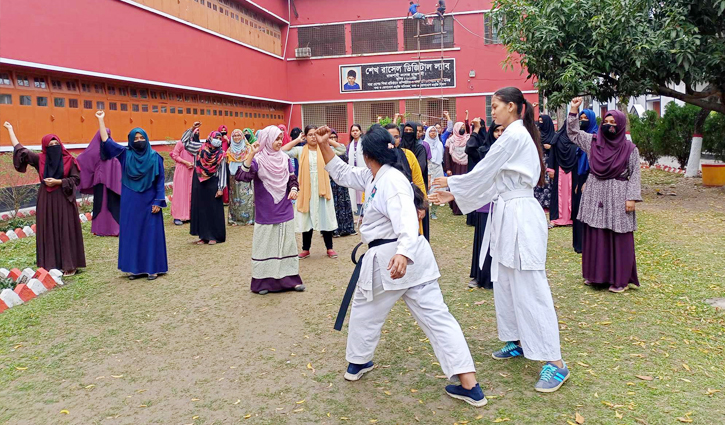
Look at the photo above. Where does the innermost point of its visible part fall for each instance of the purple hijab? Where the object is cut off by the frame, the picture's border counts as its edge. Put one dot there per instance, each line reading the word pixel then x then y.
pixel 609 158
pixel 95 169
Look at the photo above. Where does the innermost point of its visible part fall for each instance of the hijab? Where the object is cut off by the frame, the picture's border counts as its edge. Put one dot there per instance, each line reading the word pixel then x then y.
pixel 593 128
pixel 223 129
pixel 97 169
pixel 435 145
pixel 209 158
pixel 55 162
pixel 592 117
pixel 490 140
pixel 237 151
pixel 609 158
pixel 457 144
pixel 285 136
pixel 273 166
pixel 564 151
pixel 252 137
pixel 295 133
pixel 142 163
pixel 408 140
pixel 546 128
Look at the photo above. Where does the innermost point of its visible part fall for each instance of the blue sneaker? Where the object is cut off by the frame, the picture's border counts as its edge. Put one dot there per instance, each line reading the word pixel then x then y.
pixel 509 351
pixel 551 378
pixel 356 371
pixel 474 396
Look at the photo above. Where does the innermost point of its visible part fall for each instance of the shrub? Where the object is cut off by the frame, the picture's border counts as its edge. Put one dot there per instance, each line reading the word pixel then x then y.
pixel 713 137
pixel 675 131
pixel 644 134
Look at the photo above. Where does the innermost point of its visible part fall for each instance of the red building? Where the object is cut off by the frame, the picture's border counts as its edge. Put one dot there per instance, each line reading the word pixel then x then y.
pixel 163 64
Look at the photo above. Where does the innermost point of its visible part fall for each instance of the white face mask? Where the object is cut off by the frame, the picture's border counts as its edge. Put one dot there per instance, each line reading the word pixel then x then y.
pixel 216 142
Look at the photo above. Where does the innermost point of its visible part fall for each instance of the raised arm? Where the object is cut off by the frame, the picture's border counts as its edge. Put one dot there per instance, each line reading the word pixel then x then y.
pixel 578 137
pixel 22 157
pixel 102 125
pixel 190 144
pixel 345 175
pixel 11 133
pixel 290 145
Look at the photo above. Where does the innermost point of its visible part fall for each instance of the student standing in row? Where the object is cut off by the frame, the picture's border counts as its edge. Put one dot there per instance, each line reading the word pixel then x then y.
pixel 355 158
pixel 562 168
pixel 183 174
pixel 343 205
pixel 525 311
pixel 435 163
pixel 241 194
pixel 587 124
pixel 456 160
pixel 546 128
pixel 608 204
pixel 59 243
pixel 141 239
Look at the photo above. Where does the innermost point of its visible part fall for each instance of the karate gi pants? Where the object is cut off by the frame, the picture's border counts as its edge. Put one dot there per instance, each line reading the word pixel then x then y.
pixel 525 312
pixel 426 304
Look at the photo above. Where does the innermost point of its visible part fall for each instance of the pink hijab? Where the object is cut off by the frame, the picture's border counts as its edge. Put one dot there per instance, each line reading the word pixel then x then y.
pixel 273 165
pixel 457 144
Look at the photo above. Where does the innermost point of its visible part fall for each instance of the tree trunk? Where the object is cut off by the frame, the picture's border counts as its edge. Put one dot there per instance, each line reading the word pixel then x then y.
pixel 560 116
pixel 693 162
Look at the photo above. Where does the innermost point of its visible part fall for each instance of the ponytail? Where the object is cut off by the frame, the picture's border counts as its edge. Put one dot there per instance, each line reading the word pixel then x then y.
pixel 514 95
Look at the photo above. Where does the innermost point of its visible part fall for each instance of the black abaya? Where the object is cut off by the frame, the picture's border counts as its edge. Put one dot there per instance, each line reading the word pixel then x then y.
pixel 207 211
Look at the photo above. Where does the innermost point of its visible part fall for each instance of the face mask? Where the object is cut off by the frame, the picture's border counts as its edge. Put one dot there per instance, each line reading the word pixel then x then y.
pixel 584 125
pixel 53 152
pixel 409 137
pixel 216 142
pixel 248 137
pixel 609 131
pixel 224 133
pixel 462 131
pixel 140 144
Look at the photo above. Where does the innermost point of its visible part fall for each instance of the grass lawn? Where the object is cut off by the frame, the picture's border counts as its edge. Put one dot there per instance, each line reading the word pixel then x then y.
pixel 196 347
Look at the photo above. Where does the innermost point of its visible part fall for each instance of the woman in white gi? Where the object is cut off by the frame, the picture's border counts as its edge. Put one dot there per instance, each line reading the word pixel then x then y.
pixel 399 263
pixel 517 233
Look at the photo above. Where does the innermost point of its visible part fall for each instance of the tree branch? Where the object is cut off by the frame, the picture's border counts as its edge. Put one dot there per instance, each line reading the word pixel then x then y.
pixel 696 100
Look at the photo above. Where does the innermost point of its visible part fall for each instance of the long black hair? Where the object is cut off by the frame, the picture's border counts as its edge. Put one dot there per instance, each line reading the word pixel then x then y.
pixel 514 95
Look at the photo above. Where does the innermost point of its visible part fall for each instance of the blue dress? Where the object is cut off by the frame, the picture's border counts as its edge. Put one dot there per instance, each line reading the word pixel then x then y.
pixel 141 240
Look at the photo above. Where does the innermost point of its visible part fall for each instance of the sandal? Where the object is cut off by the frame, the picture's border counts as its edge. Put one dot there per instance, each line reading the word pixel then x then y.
pixel 212 242
pixel 199 242
pixel 136 276
pixel 152 277
pixel 70 273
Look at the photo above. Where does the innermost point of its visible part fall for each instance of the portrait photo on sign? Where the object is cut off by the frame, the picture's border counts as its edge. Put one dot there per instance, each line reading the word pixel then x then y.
pixel 351 78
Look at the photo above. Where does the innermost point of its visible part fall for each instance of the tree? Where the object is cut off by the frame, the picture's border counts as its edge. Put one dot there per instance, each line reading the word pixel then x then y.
pixel 645 135
pixel 15 190
pixel 714 135
pixel 675 131
pixel 618 48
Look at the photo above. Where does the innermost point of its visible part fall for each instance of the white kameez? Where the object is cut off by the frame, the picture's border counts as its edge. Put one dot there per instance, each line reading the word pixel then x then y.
pixel 518 232
pixel 356 159
pixel 321 215
pixel 389 213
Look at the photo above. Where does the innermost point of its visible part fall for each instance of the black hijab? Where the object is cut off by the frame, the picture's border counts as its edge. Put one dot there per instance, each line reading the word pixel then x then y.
pixel 408 140
pixel 547 130
pixel 563 151
pixel 53 162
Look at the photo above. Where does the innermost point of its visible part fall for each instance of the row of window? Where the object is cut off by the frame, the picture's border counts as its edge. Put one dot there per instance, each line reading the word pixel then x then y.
pixel 60 102
pixel 275 32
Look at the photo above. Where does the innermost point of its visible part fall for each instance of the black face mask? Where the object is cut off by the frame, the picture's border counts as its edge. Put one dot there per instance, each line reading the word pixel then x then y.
pixel 462 131
pixel 609 131
pixel 139 145
pixel 408 138
pixel 584 125
pixel 224 133
pixel 248 137
pixel 53 162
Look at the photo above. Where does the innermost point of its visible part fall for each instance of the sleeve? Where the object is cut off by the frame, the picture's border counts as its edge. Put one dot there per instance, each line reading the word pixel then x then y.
pixel 578 137
pixel 422 158
pixel 415 172
pixel 472 145
pixel 634 184
pixel 22 157
pixel 340 150
pixel 447 159
pixel 295 152
pixel 223 174
pixel 292 183
pixel 70 182
pixel 468 126
pixel 245 174
pixel 476 188
pixel 404 218
pixel 112 149
pixel 427 151
pixel 160 198
pixel 188 141
pixel 176 153
pixel 348 176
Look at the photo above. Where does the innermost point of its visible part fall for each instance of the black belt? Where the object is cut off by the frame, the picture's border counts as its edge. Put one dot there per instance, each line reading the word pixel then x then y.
pixel 353 280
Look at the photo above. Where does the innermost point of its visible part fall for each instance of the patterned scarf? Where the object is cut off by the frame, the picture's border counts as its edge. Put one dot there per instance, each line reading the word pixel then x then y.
pixel 209 158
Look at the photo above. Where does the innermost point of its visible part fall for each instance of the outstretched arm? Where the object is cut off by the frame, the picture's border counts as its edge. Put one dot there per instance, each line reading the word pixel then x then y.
pixel 102 125
pixel 11 132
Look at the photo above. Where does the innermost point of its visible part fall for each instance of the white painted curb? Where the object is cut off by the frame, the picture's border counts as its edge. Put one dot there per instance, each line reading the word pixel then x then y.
pixel 37 287
pixel 10 298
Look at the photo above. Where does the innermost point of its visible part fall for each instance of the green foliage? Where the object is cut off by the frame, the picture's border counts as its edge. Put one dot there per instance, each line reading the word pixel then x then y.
pixel 385 121
pixel 6 283
pixel 675 132
pixel 645 134
pixel 16 222
pixel 714 135
pixel 618 48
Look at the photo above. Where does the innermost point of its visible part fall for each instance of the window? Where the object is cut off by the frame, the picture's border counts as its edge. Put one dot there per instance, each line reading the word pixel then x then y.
pixel 226 113
pixel 39 83
pixel 122 91
pixel 56 84
pixel 73 103
pixel 41 101
pixel 172 110
pixel 154 109
pixel 99 88
pixel 489 118
pixel 188 110
pixel 71 86
pixel 26 100
pixel 134 107
pixel 325 40
pixel 144 108
pixel 430 110
pixel 134 92
pixel 187 98
pixel 111 90
pixel 431 34
pixel 112 106
pixel 255 115
pixel 490 33
pixel 202 111
pixel 215 112
pixel 154 95
pixel 331 114
pixel 236 114
pixel 87 104
pixel 59 102
pixel 162 95
pixel 246 115
pixel 196 112
pixel 4 79
pixel 6 99
pixel 23 82
pixel 144 93
pixel 100 105
pixel 367 113
pixel 208 111
pixel 85 87
pixel 163 109
pixel 180 111
pixel 179 98
pixel 124 107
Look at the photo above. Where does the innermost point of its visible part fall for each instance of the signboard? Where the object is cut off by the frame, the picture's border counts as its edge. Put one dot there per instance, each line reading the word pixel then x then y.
pixel 390 76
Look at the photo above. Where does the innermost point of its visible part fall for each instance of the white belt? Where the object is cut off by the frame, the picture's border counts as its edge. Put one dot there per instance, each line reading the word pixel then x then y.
pixel 495 218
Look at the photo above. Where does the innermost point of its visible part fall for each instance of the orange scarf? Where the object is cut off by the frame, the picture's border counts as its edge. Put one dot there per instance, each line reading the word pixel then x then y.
pixel 323 180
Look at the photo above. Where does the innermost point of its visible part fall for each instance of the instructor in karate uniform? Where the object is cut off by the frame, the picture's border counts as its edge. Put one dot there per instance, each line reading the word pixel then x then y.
pixel 399 263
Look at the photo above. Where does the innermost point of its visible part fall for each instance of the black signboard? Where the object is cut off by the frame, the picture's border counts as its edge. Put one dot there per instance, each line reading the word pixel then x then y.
pixel 398 76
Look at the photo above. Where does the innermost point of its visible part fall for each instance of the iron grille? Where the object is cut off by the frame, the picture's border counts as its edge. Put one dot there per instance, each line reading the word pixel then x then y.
pixel 431 110
pixel 374 37
pixel 333 115
pixel 325 40
pixel 410 30
pixel 367 113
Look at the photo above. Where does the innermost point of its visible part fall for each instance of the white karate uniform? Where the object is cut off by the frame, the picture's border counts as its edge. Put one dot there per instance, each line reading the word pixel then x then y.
pixel 517 231
pixel 389 213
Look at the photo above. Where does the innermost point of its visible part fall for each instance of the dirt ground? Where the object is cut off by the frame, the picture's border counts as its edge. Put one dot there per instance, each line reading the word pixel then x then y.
pixel 197 347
